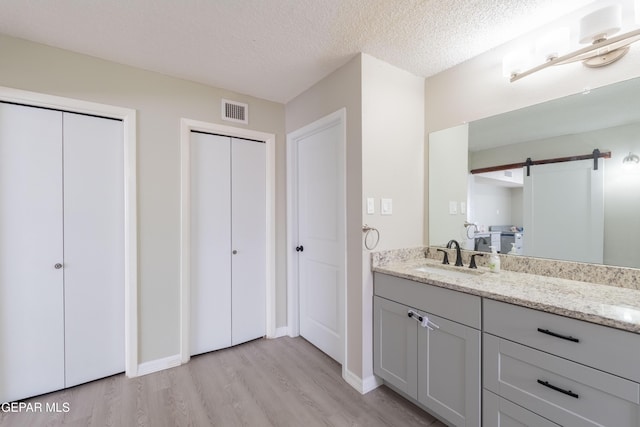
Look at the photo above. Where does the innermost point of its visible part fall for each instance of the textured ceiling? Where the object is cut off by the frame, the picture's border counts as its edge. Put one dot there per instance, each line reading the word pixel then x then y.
pixel 275 49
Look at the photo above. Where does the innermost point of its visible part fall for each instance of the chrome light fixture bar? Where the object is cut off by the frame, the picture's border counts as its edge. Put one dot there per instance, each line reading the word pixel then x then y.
pixel 594 27
pixel 604 52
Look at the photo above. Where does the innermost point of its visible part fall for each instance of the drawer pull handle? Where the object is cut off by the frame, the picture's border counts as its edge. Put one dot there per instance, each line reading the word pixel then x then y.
pixel 561 390
pixel 553 334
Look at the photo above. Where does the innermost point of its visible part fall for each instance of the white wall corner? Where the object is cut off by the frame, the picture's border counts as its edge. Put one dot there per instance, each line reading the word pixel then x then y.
pixel 159 365
pixel 363 386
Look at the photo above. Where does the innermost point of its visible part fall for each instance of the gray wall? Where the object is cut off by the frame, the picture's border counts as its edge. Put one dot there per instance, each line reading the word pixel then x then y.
pixel 160 102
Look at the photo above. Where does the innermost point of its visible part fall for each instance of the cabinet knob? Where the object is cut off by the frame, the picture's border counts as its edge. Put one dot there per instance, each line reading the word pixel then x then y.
pixel 58 266
pixel 300 248
pixel 234 251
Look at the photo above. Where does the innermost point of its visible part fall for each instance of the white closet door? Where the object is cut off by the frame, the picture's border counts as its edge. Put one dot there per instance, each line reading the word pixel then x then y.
pixel 210 242
pixel 248 206
pixel 93 247
pixel 31 296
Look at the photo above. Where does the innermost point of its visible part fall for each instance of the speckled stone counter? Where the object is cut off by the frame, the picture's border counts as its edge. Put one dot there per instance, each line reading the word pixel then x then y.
pixel 614 306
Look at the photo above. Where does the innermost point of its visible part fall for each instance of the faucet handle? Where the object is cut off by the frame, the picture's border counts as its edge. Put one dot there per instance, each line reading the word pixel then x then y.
pixel 445 260
pixel 472 264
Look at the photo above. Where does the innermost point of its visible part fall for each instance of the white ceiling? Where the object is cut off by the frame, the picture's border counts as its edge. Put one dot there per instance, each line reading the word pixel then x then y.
pixel 276 49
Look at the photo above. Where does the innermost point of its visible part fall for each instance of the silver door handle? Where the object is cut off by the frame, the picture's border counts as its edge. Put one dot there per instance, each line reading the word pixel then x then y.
pixel 58 266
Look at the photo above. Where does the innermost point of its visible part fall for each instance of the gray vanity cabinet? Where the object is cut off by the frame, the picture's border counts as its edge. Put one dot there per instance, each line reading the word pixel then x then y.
pixel 437 368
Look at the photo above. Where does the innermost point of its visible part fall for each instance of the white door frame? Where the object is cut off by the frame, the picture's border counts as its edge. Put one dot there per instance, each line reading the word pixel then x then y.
pixel 186 126
pixel 293 289
pixel 128 117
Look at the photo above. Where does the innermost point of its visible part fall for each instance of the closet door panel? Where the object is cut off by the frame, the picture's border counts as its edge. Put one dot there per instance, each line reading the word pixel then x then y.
pixel 248 183
pixel 93 247
pixel 31 302
pixel 210 242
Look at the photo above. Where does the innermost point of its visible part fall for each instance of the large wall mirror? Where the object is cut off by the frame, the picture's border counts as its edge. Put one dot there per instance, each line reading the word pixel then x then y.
pixel 580 210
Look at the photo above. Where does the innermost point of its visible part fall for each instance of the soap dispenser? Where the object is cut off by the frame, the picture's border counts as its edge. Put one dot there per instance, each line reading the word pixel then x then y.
pixel 494 261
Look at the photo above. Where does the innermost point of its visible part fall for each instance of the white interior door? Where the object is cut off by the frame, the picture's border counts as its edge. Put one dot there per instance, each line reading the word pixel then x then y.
pixel 93 247
pixel 321 235
pixel 210 242
pixel 564 211
pixel 249 240
pixel 31 295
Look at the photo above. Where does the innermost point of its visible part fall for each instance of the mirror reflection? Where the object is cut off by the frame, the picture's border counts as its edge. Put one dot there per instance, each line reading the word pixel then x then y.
pixel 568 210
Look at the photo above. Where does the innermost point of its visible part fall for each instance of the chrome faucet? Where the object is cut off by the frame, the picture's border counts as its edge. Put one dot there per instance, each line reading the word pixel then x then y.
pixel 458 254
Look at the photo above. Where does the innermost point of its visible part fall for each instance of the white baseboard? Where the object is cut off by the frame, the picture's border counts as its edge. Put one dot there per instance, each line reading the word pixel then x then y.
pixel 363 386
pixel 158 365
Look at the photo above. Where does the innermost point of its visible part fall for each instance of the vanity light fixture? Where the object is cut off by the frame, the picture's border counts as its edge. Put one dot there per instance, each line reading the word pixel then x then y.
pixel 631 159
pixel 596 28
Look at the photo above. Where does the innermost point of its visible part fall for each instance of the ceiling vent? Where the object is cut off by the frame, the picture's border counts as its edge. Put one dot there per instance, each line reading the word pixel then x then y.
pixel 233 111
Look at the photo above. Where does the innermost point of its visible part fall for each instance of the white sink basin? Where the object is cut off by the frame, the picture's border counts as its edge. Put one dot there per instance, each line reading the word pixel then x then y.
pixel 459 272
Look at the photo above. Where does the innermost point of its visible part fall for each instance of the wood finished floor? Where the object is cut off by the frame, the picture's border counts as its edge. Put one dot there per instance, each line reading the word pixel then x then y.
pixel 281 382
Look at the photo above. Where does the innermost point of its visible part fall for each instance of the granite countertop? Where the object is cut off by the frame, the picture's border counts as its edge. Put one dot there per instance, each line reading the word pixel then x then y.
pixel 605 305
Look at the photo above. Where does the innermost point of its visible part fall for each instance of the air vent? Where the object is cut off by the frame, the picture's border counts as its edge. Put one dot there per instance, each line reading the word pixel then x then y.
pixel 233 111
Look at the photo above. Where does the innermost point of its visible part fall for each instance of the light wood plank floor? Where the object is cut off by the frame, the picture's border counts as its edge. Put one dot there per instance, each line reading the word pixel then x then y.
pixel 281 382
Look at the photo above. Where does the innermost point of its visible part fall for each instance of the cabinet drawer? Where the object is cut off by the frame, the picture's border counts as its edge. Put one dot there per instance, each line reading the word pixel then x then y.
pixel 562 391
pixel 499 412
pixel 452 305
pixel 601 347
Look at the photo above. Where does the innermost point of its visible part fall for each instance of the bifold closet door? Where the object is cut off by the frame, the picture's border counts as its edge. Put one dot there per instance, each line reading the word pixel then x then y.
pixel 61 250
pixel 228 241
pixel 93 247
pixel 210 242
pixel 248 207
pixel 31 287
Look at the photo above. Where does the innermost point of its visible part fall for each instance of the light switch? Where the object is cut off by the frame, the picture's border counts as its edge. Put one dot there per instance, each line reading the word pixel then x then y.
pixel 463 208
pixel 371 205
pixel 453 208
pixel 386 206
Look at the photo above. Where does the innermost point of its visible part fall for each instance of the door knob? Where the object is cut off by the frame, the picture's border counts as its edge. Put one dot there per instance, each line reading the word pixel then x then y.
pixel 58 266
pixel 300 248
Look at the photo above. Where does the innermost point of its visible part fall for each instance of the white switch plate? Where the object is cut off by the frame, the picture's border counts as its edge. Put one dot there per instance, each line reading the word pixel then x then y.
pixel 371 205
pixel 453 208
pixel 463 208
pixel 386 206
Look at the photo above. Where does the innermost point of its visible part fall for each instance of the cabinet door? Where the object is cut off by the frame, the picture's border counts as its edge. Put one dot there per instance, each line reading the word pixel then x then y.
pixel 498 412
pixel 31 294
pixel 449 371
pixel 394 345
